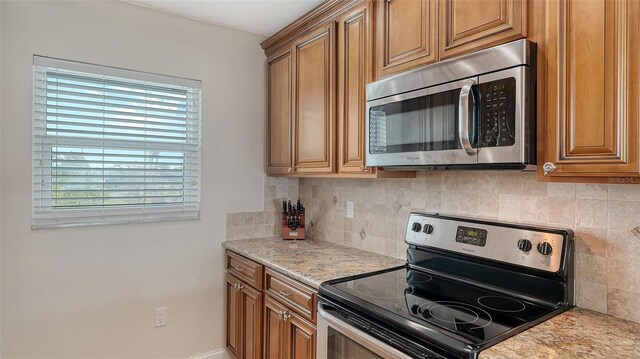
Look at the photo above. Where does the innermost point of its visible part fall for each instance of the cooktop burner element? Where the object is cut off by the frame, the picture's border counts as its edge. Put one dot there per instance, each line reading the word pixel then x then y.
pixel 501 304
pixel 455 313
pixel 466 286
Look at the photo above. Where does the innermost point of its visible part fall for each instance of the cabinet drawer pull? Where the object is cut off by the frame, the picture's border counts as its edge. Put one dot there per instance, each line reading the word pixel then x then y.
pixel 284 292
pixel 239 269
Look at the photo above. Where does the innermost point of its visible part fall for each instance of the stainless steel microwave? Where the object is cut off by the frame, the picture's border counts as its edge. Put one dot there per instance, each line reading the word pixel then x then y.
pixel 474 111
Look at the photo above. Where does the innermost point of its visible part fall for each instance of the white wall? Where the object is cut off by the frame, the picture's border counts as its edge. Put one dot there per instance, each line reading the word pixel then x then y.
pixel 91 292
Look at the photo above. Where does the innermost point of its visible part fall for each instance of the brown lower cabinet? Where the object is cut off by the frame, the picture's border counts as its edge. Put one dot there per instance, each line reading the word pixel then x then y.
pixel 244 319
pixel 287 335
pixel 274 322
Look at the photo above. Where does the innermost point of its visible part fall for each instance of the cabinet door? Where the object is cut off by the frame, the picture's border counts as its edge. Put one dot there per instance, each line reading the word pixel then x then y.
pixel 279 140
pixel 354 72
pixel 314 102
pixel 406 34
pixel 251 302
pixel 469 25
pixel 592 82
pixel 234 317
pixel 301 338
pixel 274 329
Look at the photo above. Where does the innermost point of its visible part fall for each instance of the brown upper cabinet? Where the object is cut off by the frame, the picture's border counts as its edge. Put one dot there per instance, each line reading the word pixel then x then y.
pixel 587 78
pixel 355 70
pixel 279 154
pixel 406 34
pixel 316 97
pixel 470 25
pixel 314 101
pixel 592 93
pixel 301 102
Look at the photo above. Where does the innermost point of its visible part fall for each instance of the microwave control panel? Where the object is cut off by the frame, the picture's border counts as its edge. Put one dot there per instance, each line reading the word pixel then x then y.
pixel 497 113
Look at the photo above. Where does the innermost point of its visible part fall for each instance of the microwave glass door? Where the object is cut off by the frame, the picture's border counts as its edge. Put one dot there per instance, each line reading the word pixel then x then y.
pixel 425 123
pixel 424 126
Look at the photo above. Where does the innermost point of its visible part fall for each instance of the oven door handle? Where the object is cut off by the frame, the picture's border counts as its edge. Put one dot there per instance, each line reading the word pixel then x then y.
pixel 464 115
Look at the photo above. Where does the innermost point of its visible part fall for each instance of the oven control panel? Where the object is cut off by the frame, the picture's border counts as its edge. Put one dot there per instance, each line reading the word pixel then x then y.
pixel 509 243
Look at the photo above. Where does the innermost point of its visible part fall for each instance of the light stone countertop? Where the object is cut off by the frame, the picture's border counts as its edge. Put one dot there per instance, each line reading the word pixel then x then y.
pixel 577 333
pixel 311 261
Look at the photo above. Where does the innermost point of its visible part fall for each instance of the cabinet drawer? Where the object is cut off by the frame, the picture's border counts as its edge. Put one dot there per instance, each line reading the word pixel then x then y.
pixel 245 269
pixel 297 296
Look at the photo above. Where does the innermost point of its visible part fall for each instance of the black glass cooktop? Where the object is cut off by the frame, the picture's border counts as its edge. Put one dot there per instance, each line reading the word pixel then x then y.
pixel 464 312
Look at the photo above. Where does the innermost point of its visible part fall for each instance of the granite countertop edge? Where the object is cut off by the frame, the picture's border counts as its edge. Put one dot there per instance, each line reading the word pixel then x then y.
pixel 280 269
pixel 276 263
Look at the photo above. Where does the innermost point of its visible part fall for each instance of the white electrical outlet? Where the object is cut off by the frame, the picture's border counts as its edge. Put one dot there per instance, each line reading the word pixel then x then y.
pixel 349 209
pixel 161 317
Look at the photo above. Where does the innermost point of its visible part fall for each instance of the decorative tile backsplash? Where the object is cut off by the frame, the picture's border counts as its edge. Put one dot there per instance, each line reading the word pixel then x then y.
pixel 606 219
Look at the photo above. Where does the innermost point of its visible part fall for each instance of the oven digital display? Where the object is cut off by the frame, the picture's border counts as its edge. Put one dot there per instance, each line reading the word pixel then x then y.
pixel 472 236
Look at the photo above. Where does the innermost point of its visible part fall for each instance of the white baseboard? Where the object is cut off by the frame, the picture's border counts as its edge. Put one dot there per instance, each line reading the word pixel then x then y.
pixel 216 354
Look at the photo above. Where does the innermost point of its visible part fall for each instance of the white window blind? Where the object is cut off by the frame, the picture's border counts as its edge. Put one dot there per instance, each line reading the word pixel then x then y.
pixel 113 145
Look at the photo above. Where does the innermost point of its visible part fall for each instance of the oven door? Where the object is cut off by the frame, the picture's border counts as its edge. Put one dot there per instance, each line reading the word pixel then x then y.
pixel 431 126
pixel 340 340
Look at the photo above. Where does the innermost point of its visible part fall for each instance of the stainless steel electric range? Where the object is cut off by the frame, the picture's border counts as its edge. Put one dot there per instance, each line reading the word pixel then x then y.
pixel 467 284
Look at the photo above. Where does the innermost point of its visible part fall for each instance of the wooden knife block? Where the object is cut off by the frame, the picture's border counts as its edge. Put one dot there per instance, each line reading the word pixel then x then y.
pixel 287 233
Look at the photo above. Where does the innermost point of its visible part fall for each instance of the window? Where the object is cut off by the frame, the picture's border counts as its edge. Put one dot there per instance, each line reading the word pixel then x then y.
pixel 113 145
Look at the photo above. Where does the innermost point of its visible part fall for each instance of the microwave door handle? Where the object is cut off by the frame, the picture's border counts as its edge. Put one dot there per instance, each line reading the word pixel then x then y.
pixel 464 116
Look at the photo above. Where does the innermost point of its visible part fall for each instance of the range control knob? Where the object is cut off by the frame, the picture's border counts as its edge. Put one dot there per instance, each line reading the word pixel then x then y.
pixel 427 228
pixel 416 227
pixel 524 245
pixel 544 248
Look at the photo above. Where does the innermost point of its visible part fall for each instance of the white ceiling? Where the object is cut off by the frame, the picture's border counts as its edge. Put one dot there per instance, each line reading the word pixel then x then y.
pixel 264 17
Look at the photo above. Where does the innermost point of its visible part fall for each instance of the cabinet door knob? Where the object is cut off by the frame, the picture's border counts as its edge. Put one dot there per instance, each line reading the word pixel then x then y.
pixel 284 315
pixel 290 169
pixel 284 292
pixel 240 286
pixel 548 167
